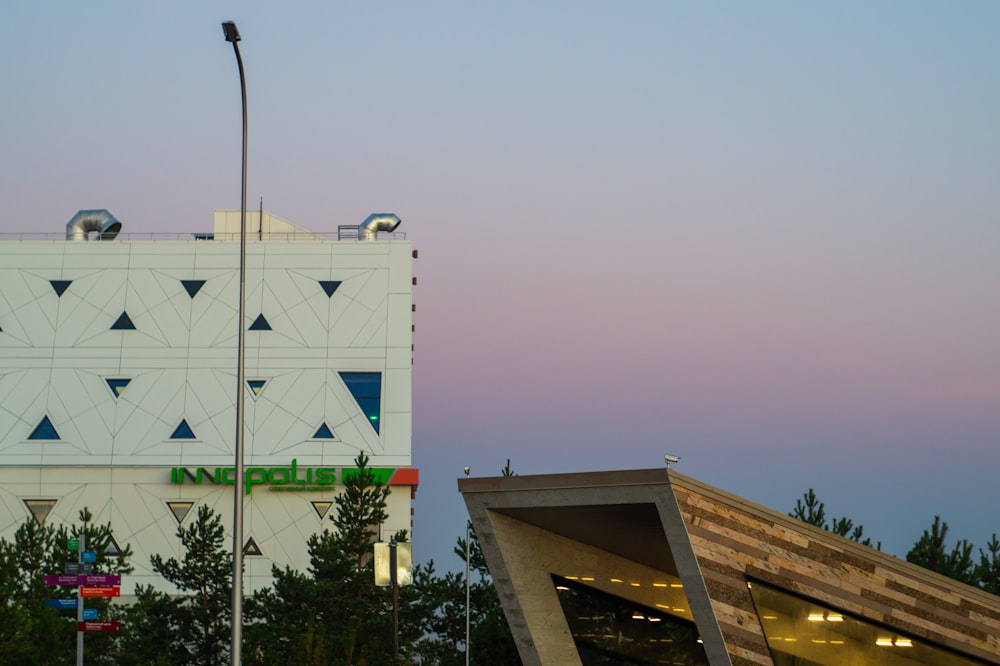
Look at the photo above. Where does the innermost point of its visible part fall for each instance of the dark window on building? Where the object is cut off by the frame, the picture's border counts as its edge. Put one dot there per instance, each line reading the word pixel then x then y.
pixel 366 387
pixel 44 430
pixel 610 630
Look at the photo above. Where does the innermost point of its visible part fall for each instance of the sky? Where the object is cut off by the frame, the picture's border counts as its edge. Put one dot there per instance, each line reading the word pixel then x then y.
pixel 760 236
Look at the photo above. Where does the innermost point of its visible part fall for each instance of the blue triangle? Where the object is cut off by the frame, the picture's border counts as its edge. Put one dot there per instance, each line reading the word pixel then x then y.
pixel 324 432
pixel 44 430
pixel 192 286
pixel 260 324
pixel 60 286
pixel 329 286
pixel 256 385
pixel 123 323
pixel 117 385
pixel 183 431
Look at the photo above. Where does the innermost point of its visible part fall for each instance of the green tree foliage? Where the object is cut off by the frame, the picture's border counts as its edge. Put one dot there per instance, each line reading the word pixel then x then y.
pixel 334 614
pixel 931 553
pixel 988 569
pixel 810 510
pixel 30 631
pixel 192 627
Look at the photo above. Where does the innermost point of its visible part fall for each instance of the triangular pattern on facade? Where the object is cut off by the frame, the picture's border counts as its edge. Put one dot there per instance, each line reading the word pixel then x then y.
pixel 123 323
pixel 321 508
pixel 117 385
pixel 111 548
pixel 44 430
pixel 256 385
pixel 324 432
pixel 40 508
pixel 251 548
pixel 183 431
pixel 329 286
pixel 60 286
pixel 179 510
pixel 260 324
pixel 192 287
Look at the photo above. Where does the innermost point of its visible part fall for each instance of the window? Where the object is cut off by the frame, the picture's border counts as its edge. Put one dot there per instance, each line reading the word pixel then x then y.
pixel 192 287
pixel 117 386
pixel 610 630
pixel 44 430
pixel 183 431
pixel 804 631
pixel 60 286
pixel 123 323
pixel 366 387
pixel 323 432
pixel 260 324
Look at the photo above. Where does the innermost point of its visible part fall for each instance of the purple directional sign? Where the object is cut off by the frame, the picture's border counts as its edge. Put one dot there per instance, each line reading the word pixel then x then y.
pixel 67 580
pixel 84 579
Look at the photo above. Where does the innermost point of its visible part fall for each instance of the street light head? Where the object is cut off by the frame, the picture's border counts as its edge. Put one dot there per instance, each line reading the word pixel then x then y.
pixel 467 470
pixel 669 459
pixel 229 29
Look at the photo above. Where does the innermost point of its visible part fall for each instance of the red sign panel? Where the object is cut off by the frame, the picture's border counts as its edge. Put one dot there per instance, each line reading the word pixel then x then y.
pixel 87 592
pixel 99 626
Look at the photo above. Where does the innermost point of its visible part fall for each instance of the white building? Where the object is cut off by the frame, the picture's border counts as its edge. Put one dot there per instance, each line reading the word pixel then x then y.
pixel 118 379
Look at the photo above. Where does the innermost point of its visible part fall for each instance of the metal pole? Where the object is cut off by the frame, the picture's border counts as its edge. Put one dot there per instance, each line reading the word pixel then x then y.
pixel 79 598
pixel 395 602
pixel 233 35
pixel 468 534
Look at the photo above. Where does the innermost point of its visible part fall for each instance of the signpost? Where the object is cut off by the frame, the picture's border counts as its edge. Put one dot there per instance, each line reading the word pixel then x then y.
pixel 80 574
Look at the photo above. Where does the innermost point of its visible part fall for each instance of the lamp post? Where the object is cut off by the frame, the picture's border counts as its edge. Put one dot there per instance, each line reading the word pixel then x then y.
pixel 236 649
pixel 468 543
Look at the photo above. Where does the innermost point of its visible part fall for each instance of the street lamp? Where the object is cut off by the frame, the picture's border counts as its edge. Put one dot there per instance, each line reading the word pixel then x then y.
pixel 468 542
pixel 233 36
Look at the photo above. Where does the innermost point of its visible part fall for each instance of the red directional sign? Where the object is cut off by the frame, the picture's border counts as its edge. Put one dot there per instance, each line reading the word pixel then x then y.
pixel 87 592
pixel 99 626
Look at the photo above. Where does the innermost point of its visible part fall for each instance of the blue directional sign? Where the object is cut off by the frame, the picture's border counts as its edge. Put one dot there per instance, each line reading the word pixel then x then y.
pixel 62 603
pixel 89 556
pixel 89 613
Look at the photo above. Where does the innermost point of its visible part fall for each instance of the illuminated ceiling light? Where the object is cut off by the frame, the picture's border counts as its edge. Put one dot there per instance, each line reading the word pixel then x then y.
pixel 883 642
pixel 636 615
pixel 815 617
pixel 769 617
pixel 654 619
pixel 833 617
pixel 903 642
pixel 636 584
pixel 700 642
pixel 571 577
pixel 586 578
pixel 617 580
pixel 659 584
pixel 790 640
pixel 561 588
pixel 676 585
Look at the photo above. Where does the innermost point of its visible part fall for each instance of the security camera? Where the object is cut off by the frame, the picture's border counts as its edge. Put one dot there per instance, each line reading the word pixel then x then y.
pixel 669 459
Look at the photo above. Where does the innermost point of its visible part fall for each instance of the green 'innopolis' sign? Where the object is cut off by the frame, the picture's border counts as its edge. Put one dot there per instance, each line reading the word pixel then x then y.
pixel 291 478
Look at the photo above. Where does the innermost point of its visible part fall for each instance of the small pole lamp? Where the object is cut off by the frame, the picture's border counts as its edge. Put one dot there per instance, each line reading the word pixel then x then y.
pixel 468 571
pixel 393 566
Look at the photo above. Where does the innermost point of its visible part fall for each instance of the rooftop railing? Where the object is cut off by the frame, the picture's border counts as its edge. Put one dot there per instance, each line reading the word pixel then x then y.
pixel 347 234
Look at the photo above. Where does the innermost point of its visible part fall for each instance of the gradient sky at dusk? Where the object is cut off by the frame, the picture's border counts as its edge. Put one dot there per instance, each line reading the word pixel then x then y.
pixel 762 236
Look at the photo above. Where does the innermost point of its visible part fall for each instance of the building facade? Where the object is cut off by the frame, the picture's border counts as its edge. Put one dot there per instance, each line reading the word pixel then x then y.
pixel 118 360
pixel 653 567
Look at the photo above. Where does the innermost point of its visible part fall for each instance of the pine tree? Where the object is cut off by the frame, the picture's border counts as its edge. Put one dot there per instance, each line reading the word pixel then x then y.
pixel 200 614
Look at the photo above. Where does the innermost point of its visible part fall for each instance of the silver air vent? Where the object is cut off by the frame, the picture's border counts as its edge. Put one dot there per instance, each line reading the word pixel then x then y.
pixel 377 222
pixel 100 222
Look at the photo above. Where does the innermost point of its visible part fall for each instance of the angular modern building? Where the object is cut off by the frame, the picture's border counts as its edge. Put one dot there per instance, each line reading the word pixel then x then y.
pixel 118 365
pixel 652 567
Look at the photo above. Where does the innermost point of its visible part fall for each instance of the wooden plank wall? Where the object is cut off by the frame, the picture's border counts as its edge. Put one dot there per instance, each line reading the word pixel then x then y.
pixel 733 538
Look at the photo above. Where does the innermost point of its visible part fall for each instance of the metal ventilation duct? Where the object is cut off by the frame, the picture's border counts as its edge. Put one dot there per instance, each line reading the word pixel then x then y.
pixel 377 222
pixel 99 221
